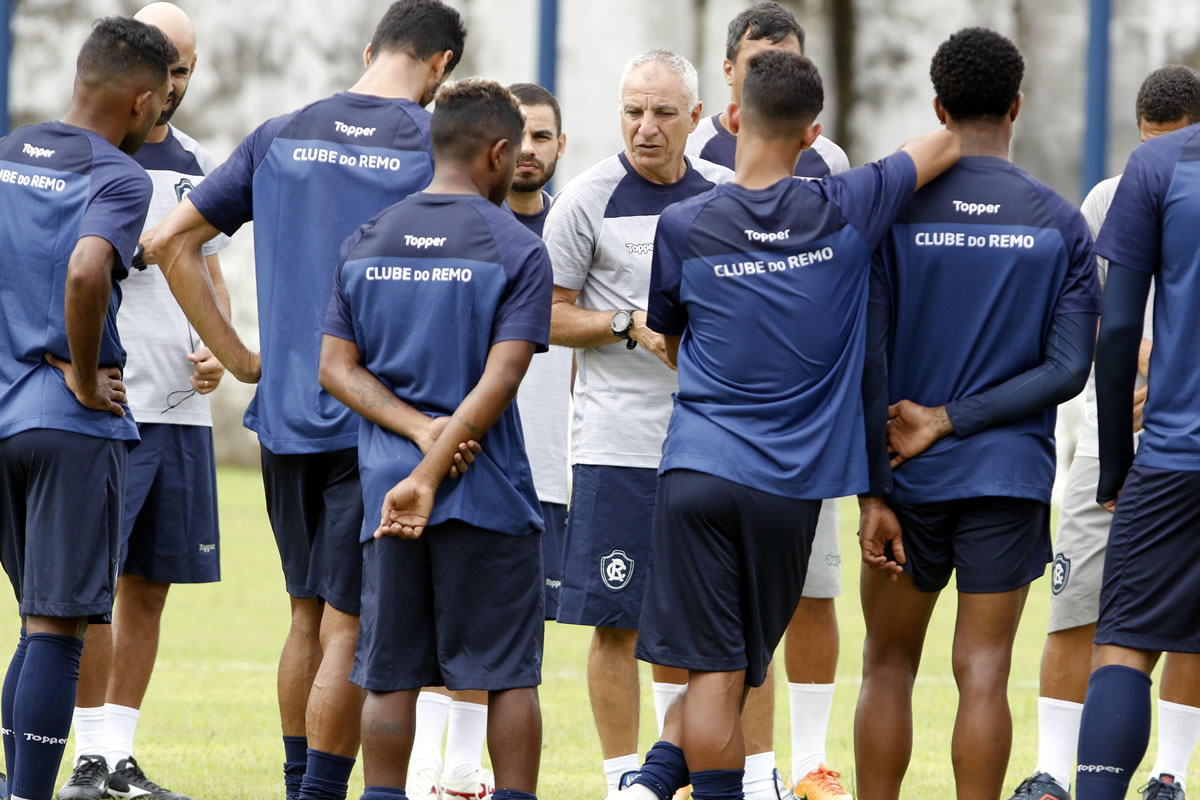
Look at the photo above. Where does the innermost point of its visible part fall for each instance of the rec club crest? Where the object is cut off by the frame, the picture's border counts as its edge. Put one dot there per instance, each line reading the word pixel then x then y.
pixel 616 570
pixel 1060 572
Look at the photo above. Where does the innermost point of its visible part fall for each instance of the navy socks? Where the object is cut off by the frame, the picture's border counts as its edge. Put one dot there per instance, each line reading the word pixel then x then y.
pixel 7 700
pixel 1113 733
pixel 664 772
pixel 512 794
pixel 718 784
pixel 295 762
pixel 327 776
pixel 42 705
pixel 384 793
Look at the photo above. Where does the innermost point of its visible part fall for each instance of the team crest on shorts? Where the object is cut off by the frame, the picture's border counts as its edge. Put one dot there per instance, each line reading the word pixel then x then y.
pixel 1059 573
pixel 616 570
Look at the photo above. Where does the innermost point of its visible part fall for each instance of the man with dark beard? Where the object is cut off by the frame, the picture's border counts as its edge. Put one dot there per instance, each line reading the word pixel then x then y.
pixel 169 534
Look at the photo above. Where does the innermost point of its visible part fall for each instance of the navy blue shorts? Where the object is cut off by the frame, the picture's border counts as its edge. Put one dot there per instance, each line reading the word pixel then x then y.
pixel 60 513
pixel 554 538
pixel 314 502
pixel 1150 597
pixel 726 573
pixel 996 544
pixel 170 533
pixel 608 546
pixel 460 607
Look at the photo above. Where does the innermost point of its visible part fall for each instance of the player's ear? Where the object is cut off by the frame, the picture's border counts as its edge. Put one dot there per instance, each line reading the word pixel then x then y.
pixel 940 110
pixel 811 134
pixel 727 66
pixel 733 112
pixel 562 144
pixel 141 103
pixel 192 68
pixel 1016 107
pixel 498 154
pixel 441 64
pixel 368 56
pixel 696 112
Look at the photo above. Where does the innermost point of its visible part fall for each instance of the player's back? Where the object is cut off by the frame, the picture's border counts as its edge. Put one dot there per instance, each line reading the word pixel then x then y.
pixel 50 173
pixel 1152 227
pixel 974 269
pixel 426 285
pixel 317 175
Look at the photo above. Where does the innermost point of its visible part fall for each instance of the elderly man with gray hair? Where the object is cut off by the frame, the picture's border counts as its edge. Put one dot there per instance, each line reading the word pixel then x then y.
pixel 600 236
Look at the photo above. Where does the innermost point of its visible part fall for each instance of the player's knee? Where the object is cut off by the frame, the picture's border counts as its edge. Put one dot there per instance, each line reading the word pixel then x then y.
pixel 982 670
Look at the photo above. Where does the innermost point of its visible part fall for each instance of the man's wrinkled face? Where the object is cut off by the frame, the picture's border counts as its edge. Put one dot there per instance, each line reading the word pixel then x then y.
pixel 655 118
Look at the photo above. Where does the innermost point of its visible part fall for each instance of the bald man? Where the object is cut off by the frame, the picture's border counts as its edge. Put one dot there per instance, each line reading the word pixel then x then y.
pixel 169 533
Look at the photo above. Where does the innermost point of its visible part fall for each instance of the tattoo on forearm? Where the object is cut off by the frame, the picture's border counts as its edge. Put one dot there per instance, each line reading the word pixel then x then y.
pixel 370 392
pixel 474 429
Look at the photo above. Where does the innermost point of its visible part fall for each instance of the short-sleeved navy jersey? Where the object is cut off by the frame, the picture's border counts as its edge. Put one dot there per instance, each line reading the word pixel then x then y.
pixel 973 270
pixel 308 180
pixel 58 184
pixel 425 289
pixel 768 288
pixel 536 222
pixel 1153 226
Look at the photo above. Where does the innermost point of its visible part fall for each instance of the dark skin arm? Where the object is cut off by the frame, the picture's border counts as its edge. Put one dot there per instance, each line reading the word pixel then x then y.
pixel 343 375
pixel 88 289
pixel 176 244
pixel 407 506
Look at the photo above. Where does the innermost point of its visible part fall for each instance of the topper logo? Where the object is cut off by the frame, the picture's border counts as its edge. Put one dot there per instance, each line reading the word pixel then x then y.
pixel 421 242
pixel 975 209
pixel 352 130
pixel 35 151
pixel 776 236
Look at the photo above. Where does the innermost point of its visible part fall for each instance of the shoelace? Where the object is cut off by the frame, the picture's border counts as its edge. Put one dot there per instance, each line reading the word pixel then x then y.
pixel 828 779
pixel 1162 791
pixel 88 771
pixel 134 773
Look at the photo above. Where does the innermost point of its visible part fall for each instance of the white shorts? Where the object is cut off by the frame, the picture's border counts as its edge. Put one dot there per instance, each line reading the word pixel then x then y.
pixel 824 578
pixel 1079 546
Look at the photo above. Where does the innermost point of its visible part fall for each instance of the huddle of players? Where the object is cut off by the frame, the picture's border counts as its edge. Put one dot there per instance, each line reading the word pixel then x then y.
pixel 795 312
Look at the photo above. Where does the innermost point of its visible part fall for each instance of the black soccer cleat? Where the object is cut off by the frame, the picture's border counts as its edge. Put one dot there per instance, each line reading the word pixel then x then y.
pixel 87 781
pixel 128 780
pixel 1163 787
pixel 1040 786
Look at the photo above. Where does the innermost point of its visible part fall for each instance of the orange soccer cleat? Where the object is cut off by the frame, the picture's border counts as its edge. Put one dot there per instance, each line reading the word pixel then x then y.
pixel 821 784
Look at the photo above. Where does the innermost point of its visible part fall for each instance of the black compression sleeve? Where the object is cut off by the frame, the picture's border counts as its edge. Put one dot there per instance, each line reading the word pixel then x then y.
pixel 1124 307
pixel 875 399
pixel 1061 375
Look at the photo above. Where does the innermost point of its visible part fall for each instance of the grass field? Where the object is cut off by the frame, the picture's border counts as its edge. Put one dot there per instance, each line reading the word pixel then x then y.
pixel 210 726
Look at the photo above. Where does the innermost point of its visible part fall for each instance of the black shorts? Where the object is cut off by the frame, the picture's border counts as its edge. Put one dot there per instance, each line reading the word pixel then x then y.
pixel 1150 597
pixel 727 569
pixel 61 508
pixel 996 544
pixel 460 607
pixel 554 515
pixel 314 502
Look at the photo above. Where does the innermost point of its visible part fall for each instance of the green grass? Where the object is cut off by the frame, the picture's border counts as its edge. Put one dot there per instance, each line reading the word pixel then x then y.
pixel 210 726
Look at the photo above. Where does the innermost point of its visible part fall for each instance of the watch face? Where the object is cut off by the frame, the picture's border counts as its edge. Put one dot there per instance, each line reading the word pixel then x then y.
pixel 621 322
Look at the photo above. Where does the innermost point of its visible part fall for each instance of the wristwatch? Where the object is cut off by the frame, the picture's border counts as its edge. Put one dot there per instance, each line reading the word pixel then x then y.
pixel 621 323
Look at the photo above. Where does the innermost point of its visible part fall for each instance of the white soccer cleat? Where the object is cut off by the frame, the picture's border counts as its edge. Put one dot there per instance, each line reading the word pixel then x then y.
pixel 478 786
pixel 424 781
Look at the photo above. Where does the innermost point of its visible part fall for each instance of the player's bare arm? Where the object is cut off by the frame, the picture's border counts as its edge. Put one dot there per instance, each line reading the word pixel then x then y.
pixel 176 244
pixel 879 527
pixel 407 506
pixel 343 375
pixel 208 369
pixel 933 154
pixel 89 285
pixel 572 326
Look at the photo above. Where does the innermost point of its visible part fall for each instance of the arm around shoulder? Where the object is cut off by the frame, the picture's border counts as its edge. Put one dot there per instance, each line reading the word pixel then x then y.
pixel 932 154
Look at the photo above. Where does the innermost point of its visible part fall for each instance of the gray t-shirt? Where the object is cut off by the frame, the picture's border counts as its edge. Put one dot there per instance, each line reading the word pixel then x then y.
pixel 600 234
pixel 153 328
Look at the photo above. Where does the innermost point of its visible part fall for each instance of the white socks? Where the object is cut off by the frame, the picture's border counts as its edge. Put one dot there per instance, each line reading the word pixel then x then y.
pixel 1058 738
pixel 759 782
pixel 664 695
pixel 811 705
pixel 89 733
pixel 1178 731
pixel 614 768
pixel 120 723
pixel 465 736
pixel 432 711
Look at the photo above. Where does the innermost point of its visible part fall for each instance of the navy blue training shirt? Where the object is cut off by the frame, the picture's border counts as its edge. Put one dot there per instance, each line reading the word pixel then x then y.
pixel 1153 226
pixel 309 179
pixel 425 289
pixel 974 270
pixel 768 288
pixel 58 184
pixel 536 222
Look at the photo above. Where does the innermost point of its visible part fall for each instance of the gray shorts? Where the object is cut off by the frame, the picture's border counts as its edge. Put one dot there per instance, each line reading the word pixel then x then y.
pixel 1079 547
pixel 824 578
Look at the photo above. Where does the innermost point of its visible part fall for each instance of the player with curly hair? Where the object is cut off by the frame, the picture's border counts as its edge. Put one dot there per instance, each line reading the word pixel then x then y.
pixel 984 306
